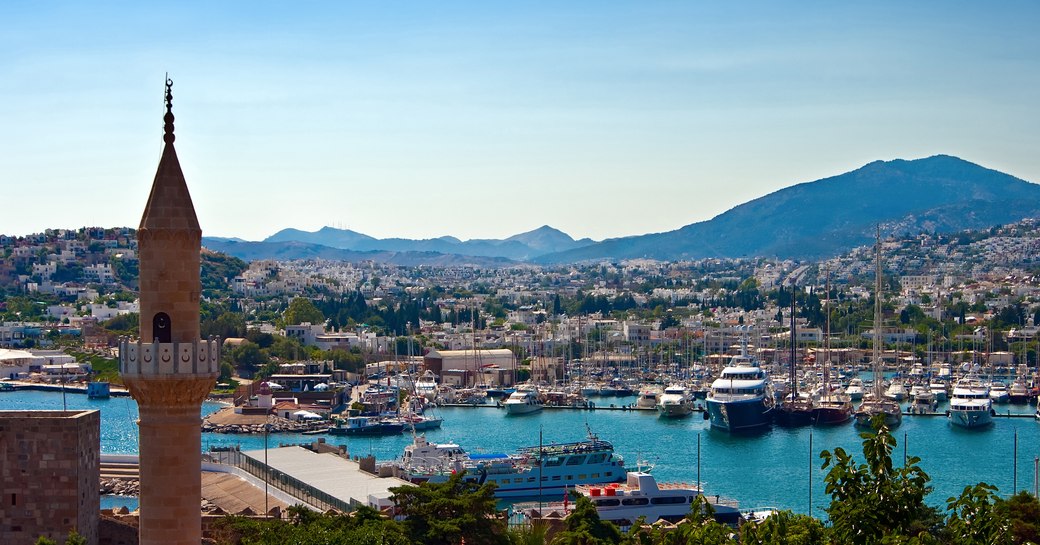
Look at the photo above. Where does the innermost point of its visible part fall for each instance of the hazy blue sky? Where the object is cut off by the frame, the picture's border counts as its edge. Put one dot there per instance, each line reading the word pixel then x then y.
pixel 482 119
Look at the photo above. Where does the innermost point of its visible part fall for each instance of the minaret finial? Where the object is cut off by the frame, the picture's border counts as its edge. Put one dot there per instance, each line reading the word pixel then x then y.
pixel 168 118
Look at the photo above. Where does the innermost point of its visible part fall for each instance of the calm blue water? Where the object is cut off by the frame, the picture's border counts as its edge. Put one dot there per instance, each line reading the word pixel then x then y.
pixel 769 469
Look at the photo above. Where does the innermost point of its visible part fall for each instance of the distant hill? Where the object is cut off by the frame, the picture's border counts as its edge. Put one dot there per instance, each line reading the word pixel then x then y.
pixel 832 215
pixel 290 250
pixel 521 247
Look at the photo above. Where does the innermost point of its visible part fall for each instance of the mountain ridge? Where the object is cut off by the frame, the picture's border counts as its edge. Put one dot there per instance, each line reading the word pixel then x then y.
pixel 814 219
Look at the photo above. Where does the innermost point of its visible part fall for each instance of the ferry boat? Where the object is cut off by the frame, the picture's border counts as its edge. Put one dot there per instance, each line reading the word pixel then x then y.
pixel 523 402
pixel 740 398
pixel 642 496
pixel 970 404
pixel 520 475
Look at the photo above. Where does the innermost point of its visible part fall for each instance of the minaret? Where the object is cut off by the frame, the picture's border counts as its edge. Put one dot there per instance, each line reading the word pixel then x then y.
pixel 169 370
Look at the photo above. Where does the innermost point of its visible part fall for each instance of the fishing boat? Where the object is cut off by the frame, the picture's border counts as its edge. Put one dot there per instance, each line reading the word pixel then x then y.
pixel 740 399
pixel 541 470
pixel 878 404
pixel 970 404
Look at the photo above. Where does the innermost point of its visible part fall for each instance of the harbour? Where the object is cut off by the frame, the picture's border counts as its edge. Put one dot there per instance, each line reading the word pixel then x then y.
pixel 772 467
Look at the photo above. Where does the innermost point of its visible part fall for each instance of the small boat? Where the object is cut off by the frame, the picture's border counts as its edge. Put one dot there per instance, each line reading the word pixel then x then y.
pixel 855 389
pixel 1018 393
pixel 896 391
pixel 938 389
pixel 998 392
pixel 366 425
pixel 648 398
pixel 924 403
pixel 523 401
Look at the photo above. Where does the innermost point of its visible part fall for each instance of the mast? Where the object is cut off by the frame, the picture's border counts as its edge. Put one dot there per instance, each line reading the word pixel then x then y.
pixel 878 392
pixel 794 348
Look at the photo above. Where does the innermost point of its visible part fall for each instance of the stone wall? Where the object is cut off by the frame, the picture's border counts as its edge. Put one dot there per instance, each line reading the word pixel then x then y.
pixel 49 471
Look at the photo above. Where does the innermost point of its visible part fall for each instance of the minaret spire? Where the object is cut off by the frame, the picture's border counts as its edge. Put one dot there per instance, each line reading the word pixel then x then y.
pixel 168 136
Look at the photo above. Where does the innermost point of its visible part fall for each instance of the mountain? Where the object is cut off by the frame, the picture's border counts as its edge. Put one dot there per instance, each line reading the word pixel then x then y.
pixel 832 215
pixel 521 247
pixel 290 250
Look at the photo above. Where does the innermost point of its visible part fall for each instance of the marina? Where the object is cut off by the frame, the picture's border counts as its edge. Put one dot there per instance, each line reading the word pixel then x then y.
pixel 772 466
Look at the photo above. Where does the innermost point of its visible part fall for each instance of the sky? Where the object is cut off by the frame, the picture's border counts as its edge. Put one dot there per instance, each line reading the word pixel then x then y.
pixel 486 119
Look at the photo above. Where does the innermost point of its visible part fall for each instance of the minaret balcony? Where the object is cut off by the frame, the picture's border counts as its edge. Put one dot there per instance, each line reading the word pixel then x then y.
pixel 169 360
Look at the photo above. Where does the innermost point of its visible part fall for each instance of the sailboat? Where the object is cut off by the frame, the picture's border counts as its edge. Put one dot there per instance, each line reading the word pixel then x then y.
pixel 795 409
pixel 878 403
pixel 833 405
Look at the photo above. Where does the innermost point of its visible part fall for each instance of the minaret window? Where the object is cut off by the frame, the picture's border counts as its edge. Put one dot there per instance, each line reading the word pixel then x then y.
pixel 161 329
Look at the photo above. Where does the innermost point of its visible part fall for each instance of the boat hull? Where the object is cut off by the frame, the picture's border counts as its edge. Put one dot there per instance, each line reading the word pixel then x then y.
pixel 738 415
pixel 831 416
pixel 971 419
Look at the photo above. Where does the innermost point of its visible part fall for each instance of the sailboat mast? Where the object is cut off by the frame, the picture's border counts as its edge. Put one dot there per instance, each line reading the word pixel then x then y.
pixel 794 347
pixel 877 315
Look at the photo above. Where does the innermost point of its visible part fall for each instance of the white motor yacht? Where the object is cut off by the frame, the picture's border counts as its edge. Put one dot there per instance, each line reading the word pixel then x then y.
pixel 970 405
pixel 675 401
pixel 855 389
pixel 998 392
pixel 523 401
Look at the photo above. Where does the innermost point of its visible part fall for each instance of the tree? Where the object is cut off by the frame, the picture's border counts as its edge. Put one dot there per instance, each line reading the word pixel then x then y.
pixel 584 527
pixel 784 528
pixel 248 356
pixel 857 491
pixel 446 513
pixel 975 518
pixel 1023 512
pixel 302 310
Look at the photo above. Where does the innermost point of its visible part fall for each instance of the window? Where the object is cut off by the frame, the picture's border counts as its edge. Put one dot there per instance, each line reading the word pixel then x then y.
pixel 668 500
pixel 530 479
pixel 556 477
pixel 597 458
pixel 595 475
pixel 553 462
pixel 607 503
pixel 576 460
pixel 635 501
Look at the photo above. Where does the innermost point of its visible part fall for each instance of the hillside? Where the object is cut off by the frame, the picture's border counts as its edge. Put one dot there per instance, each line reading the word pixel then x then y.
pixel 830 216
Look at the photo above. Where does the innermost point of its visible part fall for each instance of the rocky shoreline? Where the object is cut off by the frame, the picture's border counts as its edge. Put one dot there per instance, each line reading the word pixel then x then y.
pixel 226 421
pixel 120 487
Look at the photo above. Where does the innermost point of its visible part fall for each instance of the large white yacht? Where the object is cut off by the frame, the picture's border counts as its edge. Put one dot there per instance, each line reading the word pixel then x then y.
pixel 970 404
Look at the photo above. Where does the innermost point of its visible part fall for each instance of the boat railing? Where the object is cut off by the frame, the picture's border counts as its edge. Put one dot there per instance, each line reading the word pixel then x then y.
pixel 581 447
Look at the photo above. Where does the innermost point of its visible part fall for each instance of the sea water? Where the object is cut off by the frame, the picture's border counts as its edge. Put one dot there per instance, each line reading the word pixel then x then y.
pixel 773 468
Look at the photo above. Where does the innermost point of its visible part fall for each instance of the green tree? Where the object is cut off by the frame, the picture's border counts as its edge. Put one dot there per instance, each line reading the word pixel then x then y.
pixel 584 527
pixel 248 356
pixel 1023 511
pixel 446 513
pixel 784 528
pixel 302 310
pixel 872 500
pixel 975 518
